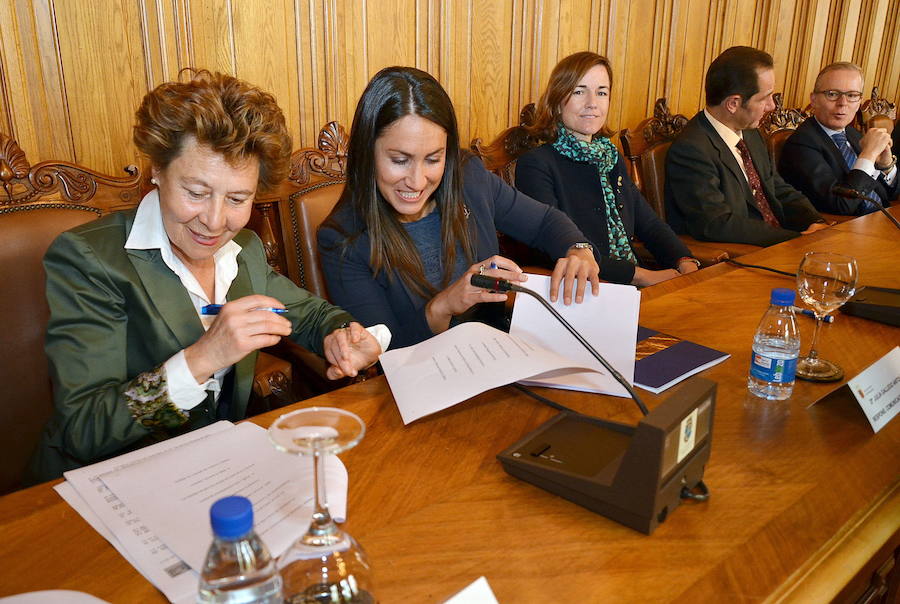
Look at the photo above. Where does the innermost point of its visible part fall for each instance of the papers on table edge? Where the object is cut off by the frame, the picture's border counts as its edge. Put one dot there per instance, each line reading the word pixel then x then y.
pixel 139 542
pixel 472 358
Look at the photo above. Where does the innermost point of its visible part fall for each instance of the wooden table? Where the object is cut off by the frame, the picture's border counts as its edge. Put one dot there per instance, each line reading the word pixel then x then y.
pixel 802 497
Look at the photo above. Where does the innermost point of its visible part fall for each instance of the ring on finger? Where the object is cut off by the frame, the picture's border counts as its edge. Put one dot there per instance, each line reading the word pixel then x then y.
pixel 481 270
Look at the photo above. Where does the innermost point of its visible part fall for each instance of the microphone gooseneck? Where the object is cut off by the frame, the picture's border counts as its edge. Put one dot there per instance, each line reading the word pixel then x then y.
pixel 502 285
pixel 850 193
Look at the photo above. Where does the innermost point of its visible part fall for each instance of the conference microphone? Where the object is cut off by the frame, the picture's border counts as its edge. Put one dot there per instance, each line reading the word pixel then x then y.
pixel 850 193
pixel 502 285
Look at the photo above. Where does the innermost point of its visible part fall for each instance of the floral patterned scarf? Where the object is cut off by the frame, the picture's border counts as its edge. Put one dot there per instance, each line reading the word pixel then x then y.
pixel 603 154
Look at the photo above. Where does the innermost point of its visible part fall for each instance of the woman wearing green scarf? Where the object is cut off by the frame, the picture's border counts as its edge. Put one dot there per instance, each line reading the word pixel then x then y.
pixel 579 170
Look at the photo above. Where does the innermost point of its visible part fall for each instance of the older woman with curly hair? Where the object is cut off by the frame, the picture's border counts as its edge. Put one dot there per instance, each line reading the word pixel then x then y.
pixel 134 357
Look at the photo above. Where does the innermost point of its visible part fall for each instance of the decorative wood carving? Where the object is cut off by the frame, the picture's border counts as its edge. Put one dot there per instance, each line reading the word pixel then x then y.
pixel 24 183
pixel 329 158
pixel 501 154
pixel 878 105
pixel 781 118
pixel 663 125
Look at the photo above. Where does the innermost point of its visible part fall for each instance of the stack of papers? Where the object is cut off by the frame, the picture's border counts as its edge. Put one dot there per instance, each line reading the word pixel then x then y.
pixel 153 504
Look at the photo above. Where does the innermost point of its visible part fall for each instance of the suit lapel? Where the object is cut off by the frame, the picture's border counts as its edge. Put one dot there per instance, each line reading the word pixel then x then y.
pixel 244 284
pixel 727 158
pixel 168 296
pixel 830 149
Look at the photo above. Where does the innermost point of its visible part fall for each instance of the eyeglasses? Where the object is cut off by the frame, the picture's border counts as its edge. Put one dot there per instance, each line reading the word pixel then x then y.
pixel 832 95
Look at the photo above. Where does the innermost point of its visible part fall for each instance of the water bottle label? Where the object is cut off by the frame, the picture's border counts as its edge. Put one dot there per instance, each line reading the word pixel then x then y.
pixel 767 369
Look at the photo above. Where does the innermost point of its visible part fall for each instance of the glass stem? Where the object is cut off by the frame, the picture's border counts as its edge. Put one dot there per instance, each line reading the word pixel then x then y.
pixel 813 355
pixel 322 530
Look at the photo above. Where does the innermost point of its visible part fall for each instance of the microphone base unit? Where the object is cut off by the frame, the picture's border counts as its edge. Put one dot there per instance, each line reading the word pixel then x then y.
pixel 876 303
pixel 635 475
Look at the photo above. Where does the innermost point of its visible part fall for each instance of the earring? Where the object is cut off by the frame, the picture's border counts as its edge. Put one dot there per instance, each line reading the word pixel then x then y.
pixel 153 181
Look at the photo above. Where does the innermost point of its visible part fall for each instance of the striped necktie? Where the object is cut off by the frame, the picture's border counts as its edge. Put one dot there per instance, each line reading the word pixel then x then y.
pixel 843 145
pixel 840 139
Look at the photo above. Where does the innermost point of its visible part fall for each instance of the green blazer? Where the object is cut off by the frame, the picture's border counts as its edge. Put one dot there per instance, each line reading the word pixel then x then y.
pixel 116 316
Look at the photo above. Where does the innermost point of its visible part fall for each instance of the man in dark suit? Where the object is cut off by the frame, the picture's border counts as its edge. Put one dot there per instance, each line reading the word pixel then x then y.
pixel 826 150
pixel 720 183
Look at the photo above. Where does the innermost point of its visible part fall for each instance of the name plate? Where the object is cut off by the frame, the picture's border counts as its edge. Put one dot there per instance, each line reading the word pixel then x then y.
pixel 877 389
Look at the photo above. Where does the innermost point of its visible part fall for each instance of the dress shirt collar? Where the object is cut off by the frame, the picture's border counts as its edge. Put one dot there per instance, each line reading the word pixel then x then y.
pixel 728 136
pixel 828 130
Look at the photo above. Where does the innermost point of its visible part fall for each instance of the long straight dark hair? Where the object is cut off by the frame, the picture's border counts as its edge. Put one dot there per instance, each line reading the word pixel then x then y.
pixel 393 93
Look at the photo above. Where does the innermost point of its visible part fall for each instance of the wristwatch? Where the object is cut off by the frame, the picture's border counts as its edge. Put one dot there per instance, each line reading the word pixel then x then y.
pixel 583 245
pixel 888 167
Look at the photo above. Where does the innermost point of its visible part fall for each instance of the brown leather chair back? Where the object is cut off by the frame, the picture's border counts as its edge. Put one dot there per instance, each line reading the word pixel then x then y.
pixel 646 149
pixel 37 203
pixel 778 125
pixel 320 174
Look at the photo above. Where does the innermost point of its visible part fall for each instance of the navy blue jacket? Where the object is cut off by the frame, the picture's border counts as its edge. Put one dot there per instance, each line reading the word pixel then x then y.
pixel 492 204
pixel 574 188
pixel 813 164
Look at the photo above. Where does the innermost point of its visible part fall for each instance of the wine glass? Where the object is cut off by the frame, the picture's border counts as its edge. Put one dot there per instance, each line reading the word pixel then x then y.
pixel 825 281
pixel 325 565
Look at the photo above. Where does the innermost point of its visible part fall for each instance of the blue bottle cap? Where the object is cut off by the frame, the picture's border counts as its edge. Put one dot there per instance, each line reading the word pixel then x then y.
pixel 231 516
pixel 782 296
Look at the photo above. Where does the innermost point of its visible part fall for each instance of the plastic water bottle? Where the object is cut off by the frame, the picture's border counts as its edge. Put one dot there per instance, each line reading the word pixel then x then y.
pixel 776 347
pixel 238 567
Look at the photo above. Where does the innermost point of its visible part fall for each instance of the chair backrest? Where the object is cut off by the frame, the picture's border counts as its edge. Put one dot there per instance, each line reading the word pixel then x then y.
pixel 320 174
pixel 646 149
pixel 777 125
pixel 877 112
pixel 37 203
pixel 500 155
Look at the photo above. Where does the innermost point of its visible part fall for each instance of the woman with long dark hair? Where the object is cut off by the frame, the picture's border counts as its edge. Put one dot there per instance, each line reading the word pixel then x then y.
pixel 580 171
pixel 418 218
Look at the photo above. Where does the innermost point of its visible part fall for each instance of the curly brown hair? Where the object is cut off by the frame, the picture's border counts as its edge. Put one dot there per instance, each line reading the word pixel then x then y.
pixel 563 80
pixel 226 114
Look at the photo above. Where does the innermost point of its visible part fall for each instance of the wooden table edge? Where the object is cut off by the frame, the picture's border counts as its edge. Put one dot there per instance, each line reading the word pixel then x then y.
pixel 837 562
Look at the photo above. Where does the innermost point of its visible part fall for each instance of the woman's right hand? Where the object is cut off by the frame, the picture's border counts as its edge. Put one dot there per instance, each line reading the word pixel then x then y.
pixel 461 295
pixel 238 330
pixel 644 277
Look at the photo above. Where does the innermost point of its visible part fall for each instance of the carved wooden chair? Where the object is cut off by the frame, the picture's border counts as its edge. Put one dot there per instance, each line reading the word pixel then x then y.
pixel 645 148
pixel 500 157
pixel 877 112
pixel 314 185
pixel 37 203
pixel 777 126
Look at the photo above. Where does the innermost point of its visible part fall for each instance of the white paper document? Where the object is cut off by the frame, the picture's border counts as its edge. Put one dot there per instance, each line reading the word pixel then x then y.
pixel 478 592
pixel 172 492
pixel 460 363
pixel 608 322
pixel 147 553
pixel 877 389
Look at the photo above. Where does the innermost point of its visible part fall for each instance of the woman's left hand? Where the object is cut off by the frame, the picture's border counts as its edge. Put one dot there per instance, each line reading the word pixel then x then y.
pixel 349 350
pixel 687 266
pixel 574 271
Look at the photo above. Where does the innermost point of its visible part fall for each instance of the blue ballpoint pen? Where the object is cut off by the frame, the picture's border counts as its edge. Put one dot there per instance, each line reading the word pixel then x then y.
pixel 809 313
pixel 213 309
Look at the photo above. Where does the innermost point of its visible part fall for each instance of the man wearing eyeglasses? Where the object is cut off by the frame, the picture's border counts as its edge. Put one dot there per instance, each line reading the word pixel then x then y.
pixel 826 150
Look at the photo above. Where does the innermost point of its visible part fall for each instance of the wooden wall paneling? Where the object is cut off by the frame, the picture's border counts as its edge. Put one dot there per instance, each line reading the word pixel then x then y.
pixel 870 33
pixel 618 44
pixel 308 46
pixel 33 95
pixel 104 75
pixel 353 59
pixel 805 58
pixel 889 65
pixel 778 25
pixel 456 61
pixel 263 42
pixel 210 35
pixel 691 50
pixel 491 57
